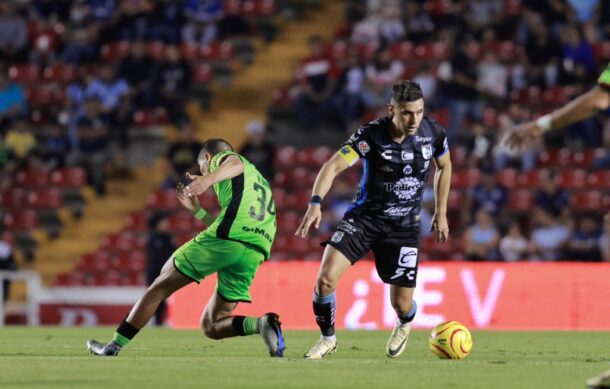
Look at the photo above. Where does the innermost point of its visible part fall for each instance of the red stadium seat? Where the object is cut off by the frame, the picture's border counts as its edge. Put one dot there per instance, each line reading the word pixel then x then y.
pixel 51 198
pixel 60 72
pixel 459 156
pixel 554 157
pixel 189 50
pixel 601 51
pixel 572 179
pixel 402 51
pixel 285 157
pixel 588 201
pixel 203 73
pixel 521 200
pixel 531 179
pixel 279 197
pixel 465 178
pixel 288 222
pixel 163 200
pixel 155 49
pixel 137 222
pixel 437 51
pixel 32 177
pixel 123 241
pixel 455 200
pixel 114 51
pixel 216 51
pixel 14 198
pixel 508 178
pixel 24 220
pixel 74 177
pixel 297 201
pixel 599 180
pixel 24 73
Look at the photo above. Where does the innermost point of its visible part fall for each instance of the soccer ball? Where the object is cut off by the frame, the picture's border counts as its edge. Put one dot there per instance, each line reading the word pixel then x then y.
pixel 450 340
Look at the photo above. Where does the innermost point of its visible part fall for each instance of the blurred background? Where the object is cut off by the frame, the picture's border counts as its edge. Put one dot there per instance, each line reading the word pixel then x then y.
pixel 104 105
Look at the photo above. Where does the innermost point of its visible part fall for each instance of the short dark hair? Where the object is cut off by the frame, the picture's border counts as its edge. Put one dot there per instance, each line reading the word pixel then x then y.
pixel 214 146
pixel 405 91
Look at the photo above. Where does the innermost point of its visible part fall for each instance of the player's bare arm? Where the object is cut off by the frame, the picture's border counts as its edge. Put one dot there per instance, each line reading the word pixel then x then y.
pixel 230 167
pixel 335 165
pixel 442 183
pixel 583 107
pixel 193 205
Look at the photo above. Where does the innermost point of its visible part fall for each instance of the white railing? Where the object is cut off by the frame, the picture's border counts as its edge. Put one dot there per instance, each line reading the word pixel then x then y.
pixel 33 285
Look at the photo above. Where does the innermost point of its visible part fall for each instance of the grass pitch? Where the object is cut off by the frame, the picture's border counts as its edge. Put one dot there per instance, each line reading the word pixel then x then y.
pixel 164 358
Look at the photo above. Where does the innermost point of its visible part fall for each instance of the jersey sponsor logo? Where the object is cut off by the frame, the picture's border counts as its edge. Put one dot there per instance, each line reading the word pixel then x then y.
pixel 423 138
pixel 407 155
pixel 386 169
pixel 387 154
pixel 337 236
pixel 408 169
pixel 426 165
pixel 407 259
pixel 405 188
pixel 363 147
pixel 258 231
pixel 397 211
pixel 426 151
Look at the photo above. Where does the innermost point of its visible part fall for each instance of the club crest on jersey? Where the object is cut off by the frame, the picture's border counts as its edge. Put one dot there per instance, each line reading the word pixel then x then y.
pixel 406 188
pixel 337 236
pixel 407 170
pixel 363 147
pixel 407 155
pixel 426 151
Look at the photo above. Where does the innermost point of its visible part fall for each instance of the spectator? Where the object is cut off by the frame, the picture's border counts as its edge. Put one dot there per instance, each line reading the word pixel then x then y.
pixel 513 246
pixel 259 150
pixel 489 195
pixel 12 101
pixel 584 243
pixel 461 90
pixel 135 20
pixel 428 81
pixel 604 240
pixel 136 70
pixel 502 154
pixel 93 138
pixel 351 98
pixel 182 156
pixel 419 24
pixel 172 80
pixel 481 239
pixel 202 21
pixel 7 262
pixel 576 57
pixel 159 248
pixel 55 147
pixel 6 164
pixel 550 197
pixel 381 74
pixel 392 28
pixel 82 47
pixel 21 141
pixel 549 236
pixel 541 52
pixel 316 78
pixel 13 33
pixel 479 148
pixel 585 10
pixel 492 80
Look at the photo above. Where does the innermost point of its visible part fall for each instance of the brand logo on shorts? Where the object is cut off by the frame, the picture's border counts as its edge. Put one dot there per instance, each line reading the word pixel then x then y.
pixel 337 236
pixel 407 259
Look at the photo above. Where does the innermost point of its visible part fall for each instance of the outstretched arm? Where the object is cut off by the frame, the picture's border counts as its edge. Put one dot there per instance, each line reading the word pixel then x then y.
pixel 583 107
pixel 193 205
pixel 335 165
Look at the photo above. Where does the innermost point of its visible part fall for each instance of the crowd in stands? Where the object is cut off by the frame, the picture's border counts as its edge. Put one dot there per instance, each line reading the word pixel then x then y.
pixel 484 66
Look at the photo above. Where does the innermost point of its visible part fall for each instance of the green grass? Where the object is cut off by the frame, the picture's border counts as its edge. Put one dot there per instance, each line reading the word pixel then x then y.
pixel 163 358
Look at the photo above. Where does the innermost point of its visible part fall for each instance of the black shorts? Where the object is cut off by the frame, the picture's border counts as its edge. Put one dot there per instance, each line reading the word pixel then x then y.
pixel 396 250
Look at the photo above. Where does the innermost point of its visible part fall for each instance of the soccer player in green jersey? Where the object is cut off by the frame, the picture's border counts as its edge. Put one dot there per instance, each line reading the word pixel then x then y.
pixel 234 245
pixel 583 107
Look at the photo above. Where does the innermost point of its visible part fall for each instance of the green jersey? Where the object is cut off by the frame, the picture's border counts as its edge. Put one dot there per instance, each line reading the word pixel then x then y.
pixel 604 78
pixel 247 211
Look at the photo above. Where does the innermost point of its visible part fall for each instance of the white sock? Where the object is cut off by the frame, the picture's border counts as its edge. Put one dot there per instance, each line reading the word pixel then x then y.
pixel 331 338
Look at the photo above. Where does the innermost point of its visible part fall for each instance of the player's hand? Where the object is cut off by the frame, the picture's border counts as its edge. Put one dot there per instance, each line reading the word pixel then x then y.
pixel 521 135
pixel 190 203
pixel 441 227
pixel 313 216
pixel 198 185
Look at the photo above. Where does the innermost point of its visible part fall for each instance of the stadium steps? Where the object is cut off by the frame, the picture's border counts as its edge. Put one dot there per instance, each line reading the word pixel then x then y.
pixel 101 217
pixel 273 66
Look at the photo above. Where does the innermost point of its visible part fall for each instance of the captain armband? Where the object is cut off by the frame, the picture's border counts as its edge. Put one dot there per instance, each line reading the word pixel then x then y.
pixel 349 154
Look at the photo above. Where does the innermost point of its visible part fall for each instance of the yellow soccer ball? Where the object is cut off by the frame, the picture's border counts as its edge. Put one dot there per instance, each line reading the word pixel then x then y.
pixel 450 340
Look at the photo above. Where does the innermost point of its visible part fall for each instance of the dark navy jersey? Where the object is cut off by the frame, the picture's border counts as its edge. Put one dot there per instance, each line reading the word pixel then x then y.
pixel 393 174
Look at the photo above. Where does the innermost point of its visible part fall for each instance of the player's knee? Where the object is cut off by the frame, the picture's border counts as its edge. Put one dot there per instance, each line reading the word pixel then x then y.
pixel 326 284
pixel 402 306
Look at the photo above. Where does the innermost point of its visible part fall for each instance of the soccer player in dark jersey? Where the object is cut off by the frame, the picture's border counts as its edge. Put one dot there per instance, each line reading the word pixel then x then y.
pixel 396 151
pixel 583 107
pixel 234 245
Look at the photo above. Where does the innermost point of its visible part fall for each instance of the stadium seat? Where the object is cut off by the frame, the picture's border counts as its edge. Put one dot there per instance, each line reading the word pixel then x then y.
pixel 60 72
pixel 508 178
pixel 32 177
pixel 217 51
pixel 459 156
pixel 123 241
pixel 189 51
pixel 13 198
pixel 554 157
pixel 114 51
pixel 155 50
pixel 285 157
pixel 465 178
pixel 402 50
pixel 601 50
pixel 521 200
pixel 531 179
pixel 297 201
pixel 74 177
pixel 137 222
pixel 287 222
pixel 279 197
pixel 587 201
pixel 21 220
pixel 572 179
pixel 48 198
pixel 599 180
pixel 24 73
pixel 455 200
pixel 163 200
pixel 203 73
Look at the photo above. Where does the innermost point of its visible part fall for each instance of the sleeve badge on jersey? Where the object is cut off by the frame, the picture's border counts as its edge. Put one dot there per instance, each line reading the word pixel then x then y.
pixel 363 147
pixel 344 150
pixel 426 151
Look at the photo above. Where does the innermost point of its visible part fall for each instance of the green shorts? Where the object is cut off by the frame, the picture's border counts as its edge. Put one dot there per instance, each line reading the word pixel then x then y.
pixel 235 262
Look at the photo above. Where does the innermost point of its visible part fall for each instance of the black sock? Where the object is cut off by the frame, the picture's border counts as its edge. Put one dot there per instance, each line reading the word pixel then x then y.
pixel 124 333
pixel 409 316
pixel 324 310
